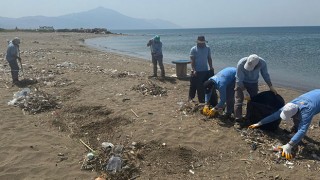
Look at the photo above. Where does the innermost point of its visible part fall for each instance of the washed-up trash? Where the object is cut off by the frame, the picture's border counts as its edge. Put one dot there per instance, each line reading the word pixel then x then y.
pixel 150 88
pixel 114 164
pixel 106 146
pixel 33 101
pixel 19 96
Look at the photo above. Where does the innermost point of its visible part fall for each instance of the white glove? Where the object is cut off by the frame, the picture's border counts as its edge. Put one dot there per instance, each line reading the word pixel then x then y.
pixel 286 151
pixel 246 95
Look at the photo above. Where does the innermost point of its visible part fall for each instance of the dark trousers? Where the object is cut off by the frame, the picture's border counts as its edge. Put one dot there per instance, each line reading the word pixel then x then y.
pixel 196 85
pixel 158 60
pixel 14 70
pixel 230 98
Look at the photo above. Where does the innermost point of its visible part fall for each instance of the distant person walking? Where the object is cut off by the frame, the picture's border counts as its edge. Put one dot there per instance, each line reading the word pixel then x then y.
pixel 12 56
pixel 247 76
pixel 224 82
pixel 301 111
pixel 201 64
pixel 156 53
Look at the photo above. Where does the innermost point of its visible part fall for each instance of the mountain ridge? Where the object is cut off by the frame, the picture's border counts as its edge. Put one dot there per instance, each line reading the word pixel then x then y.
pixel 99 17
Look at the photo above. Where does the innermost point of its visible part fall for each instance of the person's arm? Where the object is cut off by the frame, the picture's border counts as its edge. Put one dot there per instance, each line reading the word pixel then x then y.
pixel 302 129
pixel 265 74
pixel 207 97
pixel 273 117
pixel 210 60
pixel 149 43
pixel 223 97
pixel 240 78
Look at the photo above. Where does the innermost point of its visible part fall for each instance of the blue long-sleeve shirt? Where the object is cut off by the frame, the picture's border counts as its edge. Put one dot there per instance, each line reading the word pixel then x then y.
pixel 155 47
pixel 243 75
pixel 221 80
pixel 12 52
pixel 309 105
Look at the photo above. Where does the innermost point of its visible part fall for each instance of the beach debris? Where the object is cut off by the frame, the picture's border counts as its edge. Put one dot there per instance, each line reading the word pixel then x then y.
pixel 114 164
pixel 134 113
pixel 66 64
pixel 34 101
pixel 87 146
pixel 150 88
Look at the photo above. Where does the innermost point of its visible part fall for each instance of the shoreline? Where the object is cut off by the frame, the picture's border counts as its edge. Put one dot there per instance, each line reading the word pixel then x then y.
pixel 100 104
pixel 278 82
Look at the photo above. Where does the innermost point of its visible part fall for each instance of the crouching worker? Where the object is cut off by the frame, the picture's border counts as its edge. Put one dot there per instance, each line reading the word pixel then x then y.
pixel 224 82
pixel 301 111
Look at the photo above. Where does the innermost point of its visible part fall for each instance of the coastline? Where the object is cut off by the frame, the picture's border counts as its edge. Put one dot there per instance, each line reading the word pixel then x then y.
pixel 97 104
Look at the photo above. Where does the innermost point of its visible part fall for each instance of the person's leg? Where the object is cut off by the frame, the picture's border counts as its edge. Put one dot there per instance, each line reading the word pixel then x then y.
pixel 193 87
pixel 160 61
pixel 14 71
pixel 238 95
pixel 154 62
pixel 202 77
pixel 230 98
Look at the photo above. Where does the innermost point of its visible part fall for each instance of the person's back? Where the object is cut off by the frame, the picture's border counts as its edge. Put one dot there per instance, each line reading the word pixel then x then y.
pixel 156 54
pixel 12 52
pixel 310 99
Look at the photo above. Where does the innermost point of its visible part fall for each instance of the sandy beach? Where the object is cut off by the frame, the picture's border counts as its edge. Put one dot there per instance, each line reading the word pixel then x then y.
pixel 105 97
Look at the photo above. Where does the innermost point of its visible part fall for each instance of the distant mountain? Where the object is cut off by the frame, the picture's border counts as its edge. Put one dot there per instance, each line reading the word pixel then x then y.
pixel 95 18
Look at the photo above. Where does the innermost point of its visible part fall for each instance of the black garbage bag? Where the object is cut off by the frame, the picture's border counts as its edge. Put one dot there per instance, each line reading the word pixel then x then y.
pixel 263 105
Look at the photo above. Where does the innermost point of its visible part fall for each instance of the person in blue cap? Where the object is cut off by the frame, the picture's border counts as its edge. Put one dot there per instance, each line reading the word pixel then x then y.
pixel 301 111
pixel 224 82
pixel 156 53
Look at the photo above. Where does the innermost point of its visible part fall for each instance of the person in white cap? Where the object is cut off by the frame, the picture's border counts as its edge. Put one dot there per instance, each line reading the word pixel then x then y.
pixel 12 56
pixel 301 111
pixel 247 76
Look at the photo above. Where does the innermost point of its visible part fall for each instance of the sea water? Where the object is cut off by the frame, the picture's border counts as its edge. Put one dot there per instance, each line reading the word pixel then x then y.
pixel 292 53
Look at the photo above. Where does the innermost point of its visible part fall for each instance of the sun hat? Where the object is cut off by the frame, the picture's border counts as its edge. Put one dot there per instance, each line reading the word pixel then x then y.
pixel 252 61
pixel 157 38
pixel 201 39
pixel 288 111
pixel 16 40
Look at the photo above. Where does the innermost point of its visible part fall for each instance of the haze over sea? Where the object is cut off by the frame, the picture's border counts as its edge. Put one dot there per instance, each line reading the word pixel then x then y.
pixel 292 53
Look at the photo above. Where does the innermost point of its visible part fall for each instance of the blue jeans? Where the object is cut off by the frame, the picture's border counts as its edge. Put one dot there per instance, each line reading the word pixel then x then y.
pixel 155 60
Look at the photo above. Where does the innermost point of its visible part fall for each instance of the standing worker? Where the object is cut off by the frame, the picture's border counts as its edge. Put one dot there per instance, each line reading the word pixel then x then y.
pixel 301 111
pixel 201 64
pixel 156 53
pixel 224 82
pixel 12 56
pixel 247 76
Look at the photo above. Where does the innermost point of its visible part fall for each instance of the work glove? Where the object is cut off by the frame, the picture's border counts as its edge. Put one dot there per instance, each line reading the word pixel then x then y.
pixel 246 95
pixel 254 126
pixel 205 110
pixel 273 90
pixel 212 112
pixel 286 151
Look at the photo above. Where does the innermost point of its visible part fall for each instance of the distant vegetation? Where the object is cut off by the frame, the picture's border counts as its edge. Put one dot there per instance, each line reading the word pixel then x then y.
pixel 51 29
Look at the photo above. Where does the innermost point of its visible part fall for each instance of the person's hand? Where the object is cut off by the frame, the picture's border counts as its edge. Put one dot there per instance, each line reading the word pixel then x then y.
pixel 273 90
pixel 212 112
pixel 286 151
pixel 254 126
pixel 205 110
pixel 246 95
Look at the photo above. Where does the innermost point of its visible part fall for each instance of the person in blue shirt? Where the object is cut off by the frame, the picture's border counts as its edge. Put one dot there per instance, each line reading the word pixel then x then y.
pixel 12 56
pixel 156 53
pixel 301 111
pixel 224 82
pixel 201 68
pixel 247 77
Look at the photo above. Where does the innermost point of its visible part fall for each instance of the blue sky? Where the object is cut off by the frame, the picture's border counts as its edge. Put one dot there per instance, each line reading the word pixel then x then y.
pixel 185 13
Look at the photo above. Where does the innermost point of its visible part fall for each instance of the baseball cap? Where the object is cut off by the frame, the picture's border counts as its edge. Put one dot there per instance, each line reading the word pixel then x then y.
pixel 251 62
pixel 288 111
